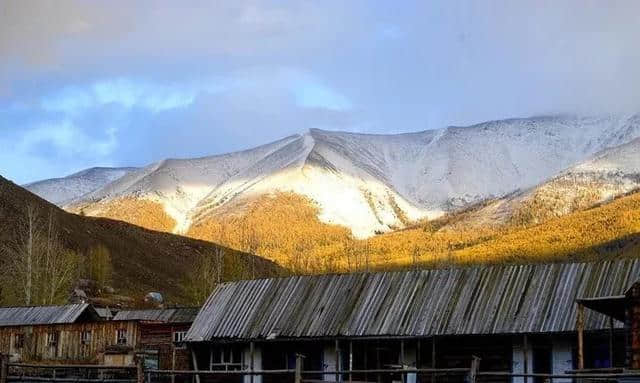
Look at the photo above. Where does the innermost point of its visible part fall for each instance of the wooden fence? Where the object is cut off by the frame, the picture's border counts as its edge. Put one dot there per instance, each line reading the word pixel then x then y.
pixel 69 373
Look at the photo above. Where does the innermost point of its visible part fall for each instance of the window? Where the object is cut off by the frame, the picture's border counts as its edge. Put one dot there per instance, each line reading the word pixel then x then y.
pixel 121 336
pixel 18 341
pixel 178 339
pixel 226 359
pixel 151 359
pixel 52 338
pixel 178 336
pixel 86 337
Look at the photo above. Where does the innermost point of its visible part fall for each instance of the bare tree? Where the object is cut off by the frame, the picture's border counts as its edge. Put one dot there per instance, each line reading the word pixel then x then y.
pixel 40 270
pixel 207 273
pixel 415 257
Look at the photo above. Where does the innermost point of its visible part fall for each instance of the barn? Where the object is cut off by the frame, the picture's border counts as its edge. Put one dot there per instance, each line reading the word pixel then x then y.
pixel 519 318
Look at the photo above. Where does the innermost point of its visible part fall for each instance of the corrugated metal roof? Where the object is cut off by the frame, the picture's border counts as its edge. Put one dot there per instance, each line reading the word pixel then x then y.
pixel 41 315
pixel 478 300
pixel 176 315
pixel 104 313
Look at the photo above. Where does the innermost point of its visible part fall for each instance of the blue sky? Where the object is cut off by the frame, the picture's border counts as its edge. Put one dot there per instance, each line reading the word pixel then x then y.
pixel 119 83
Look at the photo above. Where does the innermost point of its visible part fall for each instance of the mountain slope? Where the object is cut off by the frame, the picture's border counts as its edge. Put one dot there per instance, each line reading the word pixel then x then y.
pixel 143 260
pixel 602 177
pixel 606 231
pixel 368 183
pixel 61 191
pixel 284 227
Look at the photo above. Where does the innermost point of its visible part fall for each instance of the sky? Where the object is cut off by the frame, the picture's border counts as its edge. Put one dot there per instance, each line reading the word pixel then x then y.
pixel 122 83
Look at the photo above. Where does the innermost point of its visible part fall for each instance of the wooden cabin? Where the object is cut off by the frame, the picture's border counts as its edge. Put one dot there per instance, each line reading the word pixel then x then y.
pixel 68 333
pixel 515 318
pixel 79 334
pixel 160 335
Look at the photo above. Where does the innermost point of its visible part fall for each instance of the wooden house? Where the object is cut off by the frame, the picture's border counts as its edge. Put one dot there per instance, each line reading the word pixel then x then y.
pixel 68 333
pixel 78 333
pixel 160 335
pixel 519 318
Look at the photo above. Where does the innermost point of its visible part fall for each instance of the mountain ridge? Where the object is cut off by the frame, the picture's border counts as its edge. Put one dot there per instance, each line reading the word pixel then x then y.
pixel 373 182
pixel 63 190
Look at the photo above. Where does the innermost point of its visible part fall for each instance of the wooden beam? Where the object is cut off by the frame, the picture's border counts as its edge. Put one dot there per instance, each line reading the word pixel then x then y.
pixel 580 328
pixel 337 360
pixel 611 364
pixel 473 371
pixel 525 351
pixel 404 376
pixel 298 370
pixel 351 360
pixel 433 357
pixel 195 363
pixel 251 356
pixel 173 361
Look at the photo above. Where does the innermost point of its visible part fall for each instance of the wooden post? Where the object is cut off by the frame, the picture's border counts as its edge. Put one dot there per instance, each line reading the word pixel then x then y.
pixel 366 363
pixel 350 360
pixel 580 327
pixel 611 342
pixel 433 357
pixel 4 367
pixel 251 353
pixel 173 362
pixel 195 364
pixel 379 378
pixel 525 351
pixel 403 376
pixel 473 371
pixel 298 371
pixel 337 365
pixel 140 370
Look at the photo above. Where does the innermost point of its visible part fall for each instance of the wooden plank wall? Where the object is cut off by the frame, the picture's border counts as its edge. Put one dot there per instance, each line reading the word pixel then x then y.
pixel 159 336
pixel 70 347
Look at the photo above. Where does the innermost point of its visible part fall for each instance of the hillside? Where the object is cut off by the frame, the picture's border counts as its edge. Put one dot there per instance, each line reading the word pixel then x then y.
pixel 285 228
pixel 142 260
pixel 367 183
pixel 604 231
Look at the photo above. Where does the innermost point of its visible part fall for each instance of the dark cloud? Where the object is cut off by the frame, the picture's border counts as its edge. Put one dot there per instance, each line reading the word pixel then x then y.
pixel 121 82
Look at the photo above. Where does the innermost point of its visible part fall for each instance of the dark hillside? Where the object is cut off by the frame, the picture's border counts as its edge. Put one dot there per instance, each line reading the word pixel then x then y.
pixel 143 260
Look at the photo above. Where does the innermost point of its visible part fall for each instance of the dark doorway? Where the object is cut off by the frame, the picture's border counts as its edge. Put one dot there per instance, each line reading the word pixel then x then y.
pixel 541 362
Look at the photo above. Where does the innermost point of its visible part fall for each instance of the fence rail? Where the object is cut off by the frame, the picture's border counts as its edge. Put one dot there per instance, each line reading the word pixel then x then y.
pixel 137 374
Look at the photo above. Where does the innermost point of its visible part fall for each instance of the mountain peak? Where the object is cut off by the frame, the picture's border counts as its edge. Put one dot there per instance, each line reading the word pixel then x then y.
pixel 375 182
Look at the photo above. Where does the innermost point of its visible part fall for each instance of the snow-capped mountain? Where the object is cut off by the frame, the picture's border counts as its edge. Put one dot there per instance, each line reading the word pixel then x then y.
pixel 64 190
pixel 601 177
pixel 375 182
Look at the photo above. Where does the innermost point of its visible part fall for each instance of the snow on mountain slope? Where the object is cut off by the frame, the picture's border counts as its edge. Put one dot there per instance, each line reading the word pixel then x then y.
pixel 60 191
pixel 376 182
pixel 600 178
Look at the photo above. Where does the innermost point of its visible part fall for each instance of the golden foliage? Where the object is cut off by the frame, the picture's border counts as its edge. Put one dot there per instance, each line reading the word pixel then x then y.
pixel 144 213
pixel 590 234
pixel 284 227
